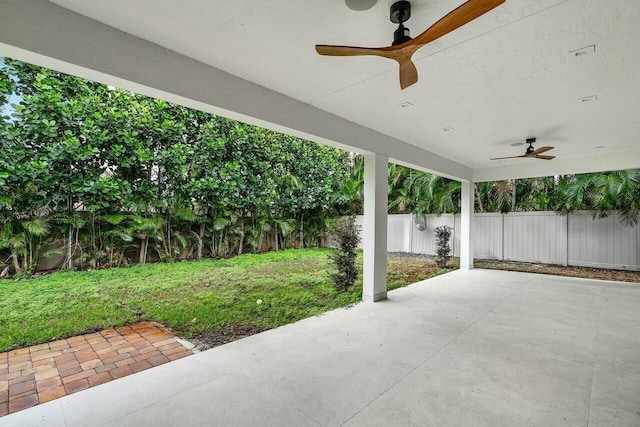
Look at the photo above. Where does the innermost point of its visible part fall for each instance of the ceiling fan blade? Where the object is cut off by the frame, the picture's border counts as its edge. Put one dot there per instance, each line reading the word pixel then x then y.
pixel 541 150
pixel 510 157
pixel 538 156
pixel 402 53
pixel 329 50
pixel 408 71
pixel 408 74
pixel 463 14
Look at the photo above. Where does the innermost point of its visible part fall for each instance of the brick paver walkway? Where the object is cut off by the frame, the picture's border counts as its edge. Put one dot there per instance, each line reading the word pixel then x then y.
pixel 45 372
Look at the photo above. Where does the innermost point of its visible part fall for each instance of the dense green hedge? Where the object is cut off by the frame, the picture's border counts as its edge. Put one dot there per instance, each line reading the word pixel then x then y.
pixel 115 177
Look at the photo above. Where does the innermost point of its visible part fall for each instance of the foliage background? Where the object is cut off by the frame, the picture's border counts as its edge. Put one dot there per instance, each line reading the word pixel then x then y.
pixel 118 177
pixel 114 178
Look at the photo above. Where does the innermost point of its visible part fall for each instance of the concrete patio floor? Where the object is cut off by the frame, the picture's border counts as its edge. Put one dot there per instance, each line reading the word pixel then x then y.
pixel 480 347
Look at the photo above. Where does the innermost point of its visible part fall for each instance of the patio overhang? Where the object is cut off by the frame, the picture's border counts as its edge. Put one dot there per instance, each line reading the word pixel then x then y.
pixel 42 33
pixel 518 82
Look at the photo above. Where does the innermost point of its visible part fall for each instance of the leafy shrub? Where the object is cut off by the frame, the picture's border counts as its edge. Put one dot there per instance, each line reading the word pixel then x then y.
pixel 345 237
pixel 443 234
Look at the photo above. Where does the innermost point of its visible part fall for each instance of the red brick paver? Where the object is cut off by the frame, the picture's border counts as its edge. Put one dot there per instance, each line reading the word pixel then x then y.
pixel 38 374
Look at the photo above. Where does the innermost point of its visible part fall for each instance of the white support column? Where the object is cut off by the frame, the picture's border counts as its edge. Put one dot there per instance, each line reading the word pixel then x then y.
pixel 466 226
pixel 374 228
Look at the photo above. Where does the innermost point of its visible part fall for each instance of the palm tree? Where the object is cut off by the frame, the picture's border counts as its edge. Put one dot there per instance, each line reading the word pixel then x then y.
pixel 605 193
pixel 504 195
pixel 145 229
pixel 25 240
pixel 434 194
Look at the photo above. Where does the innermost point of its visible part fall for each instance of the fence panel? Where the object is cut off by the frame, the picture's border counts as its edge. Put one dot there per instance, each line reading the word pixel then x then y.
pixel 488 236
pixel 399 231
pixel 602 242
pixel 535 237
pixel 424 242
pixel 543 237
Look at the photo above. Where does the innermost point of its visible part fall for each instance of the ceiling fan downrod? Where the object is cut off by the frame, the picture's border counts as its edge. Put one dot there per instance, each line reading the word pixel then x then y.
pixel 400 13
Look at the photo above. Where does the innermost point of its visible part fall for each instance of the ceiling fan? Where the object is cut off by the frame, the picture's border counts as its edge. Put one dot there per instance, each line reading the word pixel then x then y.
pixel 403 46
pixel 531 152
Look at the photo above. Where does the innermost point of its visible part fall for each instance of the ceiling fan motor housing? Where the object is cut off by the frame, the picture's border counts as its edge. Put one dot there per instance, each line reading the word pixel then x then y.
pixel 530 141
pixel 400 13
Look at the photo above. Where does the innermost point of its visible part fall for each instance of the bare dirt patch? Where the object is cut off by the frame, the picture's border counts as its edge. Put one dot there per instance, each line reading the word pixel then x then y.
pixel 412 260
pixel 223 335
pixel 410 269
pixel 559 270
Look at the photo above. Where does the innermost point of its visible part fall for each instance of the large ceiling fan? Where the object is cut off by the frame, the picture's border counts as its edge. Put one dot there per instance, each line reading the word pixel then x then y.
pixel 531 152
pixel 403 46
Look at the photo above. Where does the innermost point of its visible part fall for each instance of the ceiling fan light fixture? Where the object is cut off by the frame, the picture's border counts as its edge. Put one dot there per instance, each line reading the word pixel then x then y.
pixel 360 5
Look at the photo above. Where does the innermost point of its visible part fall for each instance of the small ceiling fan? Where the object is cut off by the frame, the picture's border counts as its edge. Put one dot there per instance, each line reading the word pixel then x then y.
pixel 403 46
pixel 531 152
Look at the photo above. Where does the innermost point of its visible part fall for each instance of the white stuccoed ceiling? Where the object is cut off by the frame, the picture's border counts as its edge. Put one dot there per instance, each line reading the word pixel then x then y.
pixel 502 78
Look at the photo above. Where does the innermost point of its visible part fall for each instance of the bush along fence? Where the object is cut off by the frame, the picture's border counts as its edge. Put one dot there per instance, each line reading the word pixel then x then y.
pixel 119 240
pixel 543 237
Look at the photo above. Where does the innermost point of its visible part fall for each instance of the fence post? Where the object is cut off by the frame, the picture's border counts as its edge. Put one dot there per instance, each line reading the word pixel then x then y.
pixel 566 241
pixel 502 236
pixel 411 234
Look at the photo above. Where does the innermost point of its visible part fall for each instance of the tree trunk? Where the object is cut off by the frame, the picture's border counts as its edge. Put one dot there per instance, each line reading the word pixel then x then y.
pixel 15 260
pixel 95 242
pixel 301 236
pixel 143 250
pixel 78 246
pixel 201 240
pixel 166 241
pixel 70 235
pixel 275 237
pixel 220 242
pixel 260 238
pixel 70 248
pixel 240 246
pixel 479 198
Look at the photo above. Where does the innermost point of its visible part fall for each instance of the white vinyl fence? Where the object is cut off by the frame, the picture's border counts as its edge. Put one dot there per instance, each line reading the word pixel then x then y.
pixel 543 237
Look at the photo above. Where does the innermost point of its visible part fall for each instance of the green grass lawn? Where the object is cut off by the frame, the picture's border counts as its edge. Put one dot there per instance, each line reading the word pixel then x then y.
pixel 189 297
